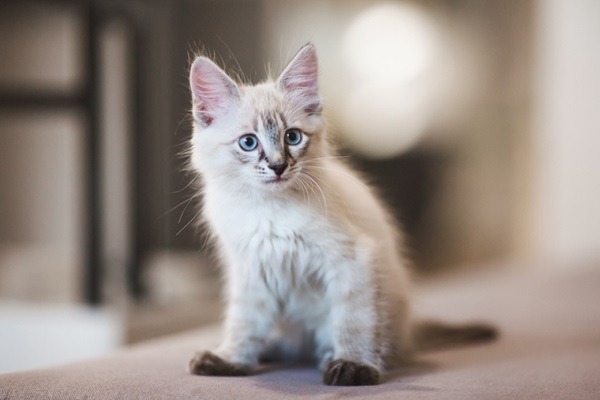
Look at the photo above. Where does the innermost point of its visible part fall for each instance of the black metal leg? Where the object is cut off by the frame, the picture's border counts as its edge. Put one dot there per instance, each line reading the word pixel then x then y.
pixel 93 240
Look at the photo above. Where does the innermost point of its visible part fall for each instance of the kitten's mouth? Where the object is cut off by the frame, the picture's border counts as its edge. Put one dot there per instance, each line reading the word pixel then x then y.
pixel 276 180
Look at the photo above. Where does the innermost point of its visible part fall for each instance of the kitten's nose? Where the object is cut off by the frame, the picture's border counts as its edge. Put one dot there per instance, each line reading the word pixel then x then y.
pixel 278 168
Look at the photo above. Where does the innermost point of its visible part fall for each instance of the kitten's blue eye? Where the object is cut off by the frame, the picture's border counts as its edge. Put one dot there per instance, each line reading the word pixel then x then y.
pixel 248 142
pixel 293 137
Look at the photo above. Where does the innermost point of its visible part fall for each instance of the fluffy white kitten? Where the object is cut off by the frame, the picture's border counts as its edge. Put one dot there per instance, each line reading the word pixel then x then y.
pixel 312 262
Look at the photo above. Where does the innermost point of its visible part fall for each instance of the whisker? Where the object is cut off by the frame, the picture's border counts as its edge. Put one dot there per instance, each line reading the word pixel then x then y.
pixel 186 186
pixel 186 206
pixel 304 189
pixel 339 196
pixel 337 170
pixel 191 220
pixel 322 194
pixel 180 204
pixel 324 158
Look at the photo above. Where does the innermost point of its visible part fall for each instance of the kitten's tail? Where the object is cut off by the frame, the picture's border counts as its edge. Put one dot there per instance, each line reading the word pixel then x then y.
pixel 434 335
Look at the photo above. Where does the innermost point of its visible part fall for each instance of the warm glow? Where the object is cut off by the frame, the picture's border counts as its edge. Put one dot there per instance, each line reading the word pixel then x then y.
pixel 389 43
pixel 381 124
pixel 388 50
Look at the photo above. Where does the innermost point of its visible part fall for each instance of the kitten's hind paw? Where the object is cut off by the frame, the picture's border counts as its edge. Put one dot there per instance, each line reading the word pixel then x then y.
pixel 348 373
pixel 207 363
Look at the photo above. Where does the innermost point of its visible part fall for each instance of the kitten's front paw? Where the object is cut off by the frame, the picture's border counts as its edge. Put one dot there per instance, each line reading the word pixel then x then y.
pixel 348 373
pixel 207 363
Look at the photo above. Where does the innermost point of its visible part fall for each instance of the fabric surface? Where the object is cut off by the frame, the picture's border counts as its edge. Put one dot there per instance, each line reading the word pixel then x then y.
pixel 549 348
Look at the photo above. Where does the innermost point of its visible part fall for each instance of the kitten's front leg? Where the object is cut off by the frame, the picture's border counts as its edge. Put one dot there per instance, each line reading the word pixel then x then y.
pixel 356 358
pixel 248 323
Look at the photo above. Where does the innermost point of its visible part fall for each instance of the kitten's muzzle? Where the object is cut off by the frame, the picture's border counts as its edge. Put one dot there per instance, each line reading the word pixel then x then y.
pixel 278 168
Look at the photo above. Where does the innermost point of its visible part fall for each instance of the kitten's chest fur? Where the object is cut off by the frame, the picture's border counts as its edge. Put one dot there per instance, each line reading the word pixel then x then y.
pixel 284 243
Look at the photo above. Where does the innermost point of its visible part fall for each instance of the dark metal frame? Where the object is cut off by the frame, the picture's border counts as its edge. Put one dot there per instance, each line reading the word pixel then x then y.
pixel 94 274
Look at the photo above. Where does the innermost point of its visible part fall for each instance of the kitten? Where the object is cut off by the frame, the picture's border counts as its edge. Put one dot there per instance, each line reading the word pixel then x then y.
pixel 312 257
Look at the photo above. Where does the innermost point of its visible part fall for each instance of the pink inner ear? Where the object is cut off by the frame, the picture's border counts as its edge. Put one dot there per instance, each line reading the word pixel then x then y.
pixel 213 93
pixel 300 80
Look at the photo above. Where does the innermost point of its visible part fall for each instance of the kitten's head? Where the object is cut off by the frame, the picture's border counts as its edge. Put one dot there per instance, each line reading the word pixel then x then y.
pixel 261 137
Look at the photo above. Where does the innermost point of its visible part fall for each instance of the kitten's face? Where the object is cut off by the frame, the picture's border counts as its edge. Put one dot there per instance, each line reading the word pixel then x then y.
pixel 257 137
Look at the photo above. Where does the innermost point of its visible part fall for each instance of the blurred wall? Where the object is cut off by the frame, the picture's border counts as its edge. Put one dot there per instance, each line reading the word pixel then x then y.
pixel 566 166
pixel 40 157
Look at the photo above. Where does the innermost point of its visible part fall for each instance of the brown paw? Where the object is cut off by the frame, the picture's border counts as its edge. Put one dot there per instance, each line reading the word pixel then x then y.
pixel 206 363
pixel 348 373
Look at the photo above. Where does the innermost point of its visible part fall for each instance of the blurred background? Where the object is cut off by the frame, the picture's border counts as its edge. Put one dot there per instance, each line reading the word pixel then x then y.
pixel 479 121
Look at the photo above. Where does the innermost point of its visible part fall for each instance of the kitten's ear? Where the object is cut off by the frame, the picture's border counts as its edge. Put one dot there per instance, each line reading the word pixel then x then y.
pixel 213 92
pixel 299 80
